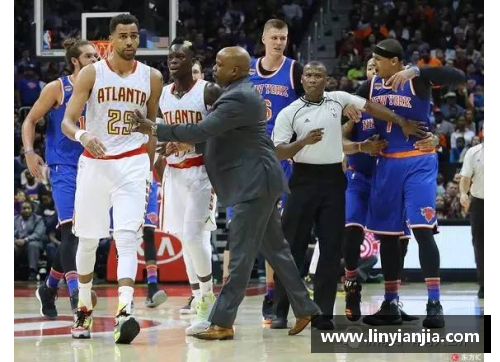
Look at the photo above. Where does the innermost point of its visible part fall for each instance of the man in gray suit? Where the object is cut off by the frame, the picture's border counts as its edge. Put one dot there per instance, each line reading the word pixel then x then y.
pixel 244 170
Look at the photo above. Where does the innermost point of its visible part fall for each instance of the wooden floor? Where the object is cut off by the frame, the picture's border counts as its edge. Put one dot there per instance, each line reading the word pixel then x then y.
pixel 162 335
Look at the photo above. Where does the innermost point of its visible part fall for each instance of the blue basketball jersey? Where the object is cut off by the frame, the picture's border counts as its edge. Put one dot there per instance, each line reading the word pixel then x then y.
pixel 60 150
pixel 405 103
pixel 277 89
pixel 362 162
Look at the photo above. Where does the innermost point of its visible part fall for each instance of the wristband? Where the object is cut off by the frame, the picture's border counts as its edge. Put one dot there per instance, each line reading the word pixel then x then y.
pixel 359 147
pixel 79 134
pixel 29 151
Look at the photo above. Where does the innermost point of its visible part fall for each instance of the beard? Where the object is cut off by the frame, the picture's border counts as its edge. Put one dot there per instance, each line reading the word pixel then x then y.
pixel 127 56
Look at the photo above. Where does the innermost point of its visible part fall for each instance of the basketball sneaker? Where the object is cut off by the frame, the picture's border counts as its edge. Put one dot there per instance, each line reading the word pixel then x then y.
pixel 267 309
pixel 405 316
pixel 126 326
pixel 190 307
pixel 203 308
pixel 352 300
pixel 435 318
pixel 155 297
pixel 83 324
pixel 387 315
pixel 47 297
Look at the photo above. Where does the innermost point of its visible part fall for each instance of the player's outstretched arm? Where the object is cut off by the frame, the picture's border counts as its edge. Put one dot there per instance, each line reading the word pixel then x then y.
pixel 81 93
pixel 448 76
pixel 50 96
pixel 152 110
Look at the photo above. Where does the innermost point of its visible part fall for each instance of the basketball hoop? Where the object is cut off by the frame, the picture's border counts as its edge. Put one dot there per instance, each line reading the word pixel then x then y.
pixel 103 47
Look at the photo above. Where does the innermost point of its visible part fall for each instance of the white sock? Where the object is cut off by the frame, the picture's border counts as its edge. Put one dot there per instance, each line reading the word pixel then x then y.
pixel 206 287
pixel 85 295
pixel 197 293
pixel 126 295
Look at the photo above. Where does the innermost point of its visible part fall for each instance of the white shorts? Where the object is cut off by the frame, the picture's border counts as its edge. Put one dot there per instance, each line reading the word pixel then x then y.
pixel 102 184
pixel 188 204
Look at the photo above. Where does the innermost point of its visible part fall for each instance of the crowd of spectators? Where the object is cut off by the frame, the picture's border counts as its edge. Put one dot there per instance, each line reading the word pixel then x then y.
pixel 433 33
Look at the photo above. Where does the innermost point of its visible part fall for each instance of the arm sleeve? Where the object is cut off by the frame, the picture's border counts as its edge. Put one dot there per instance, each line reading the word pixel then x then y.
pixel 283 130
pixel 442 75
pixel 346 99
pixel 364 90
pixel 297 75
pixel 467 169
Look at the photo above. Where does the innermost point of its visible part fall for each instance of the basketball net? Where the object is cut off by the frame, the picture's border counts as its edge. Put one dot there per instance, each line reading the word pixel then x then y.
pixel 103 47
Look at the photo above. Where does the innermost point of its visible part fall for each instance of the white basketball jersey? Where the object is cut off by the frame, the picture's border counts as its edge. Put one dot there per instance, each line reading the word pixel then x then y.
pixel 112 102
pixel 188 109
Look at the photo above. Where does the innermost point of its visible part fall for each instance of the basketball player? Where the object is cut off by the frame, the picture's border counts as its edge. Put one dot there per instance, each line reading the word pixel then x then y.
pixel 404 185
pixel 155 296
pixel 188 198
pixel 197 70
pixel 277 78
pixel 62 156
pixel 361 165
pixel 114 169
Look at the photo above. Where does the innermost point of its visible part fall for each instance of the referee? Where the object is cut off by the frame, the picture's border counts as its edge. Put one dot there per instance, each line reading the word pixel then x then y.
pixel 473 172
pixel 318 183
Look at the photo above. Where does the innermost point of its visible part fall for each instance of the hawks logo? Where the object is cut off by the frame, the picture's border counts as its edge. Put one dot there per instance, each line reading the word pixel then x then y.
pixel 428 212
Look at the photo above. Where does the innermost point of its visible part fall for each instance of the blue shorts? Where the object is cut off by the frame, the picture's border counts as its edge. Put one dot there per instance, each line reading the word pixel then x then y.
pixel 287 166
pixel 403 192
pixel 151 218
pixel 358 199
pixel 63 180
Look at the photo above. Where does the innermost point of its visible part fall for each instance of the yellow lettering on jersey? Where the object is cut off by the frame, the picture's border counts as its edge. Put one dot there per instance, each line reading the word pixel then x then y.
pixel 121 94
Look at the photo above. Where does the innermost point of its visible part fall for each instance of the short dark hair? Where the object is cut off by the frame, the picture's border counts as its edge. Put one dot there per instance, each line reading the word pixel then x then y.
pixel 393 46
pixel 185 43
pixel 317 63
pixel 72 47
pixel 122 19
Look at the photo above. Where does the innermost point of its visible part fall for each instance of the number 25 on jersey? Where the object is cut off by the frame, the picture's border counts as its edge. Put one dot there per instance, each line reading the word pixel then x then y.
pixel 115 118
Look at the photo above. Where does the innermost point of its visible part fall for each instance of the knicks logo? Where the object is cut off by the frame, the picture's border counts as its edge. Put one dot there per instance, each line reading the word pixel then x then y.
pixel 152 217
pixel 251 71
pixel 428 212
pixel 168 249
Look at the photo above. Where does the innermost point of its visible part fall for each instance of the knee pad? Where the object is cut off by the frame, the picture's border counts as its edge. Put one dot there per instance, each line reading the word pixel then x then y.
pixel 126 242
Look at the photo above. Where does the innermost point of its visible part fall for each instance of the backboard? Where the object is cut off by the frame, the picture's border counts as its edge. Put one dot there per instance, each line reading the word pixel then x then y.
pixel 57 20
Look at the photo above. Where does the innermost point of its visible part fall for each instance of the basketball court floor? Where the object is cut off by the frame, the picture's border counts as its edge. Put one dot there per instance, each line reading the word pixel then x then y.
pixel 162 335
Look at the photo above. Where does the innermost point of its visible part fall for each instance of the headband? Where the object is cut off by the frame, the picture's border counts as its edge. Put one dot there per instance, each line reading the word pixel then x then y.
pixel 387 53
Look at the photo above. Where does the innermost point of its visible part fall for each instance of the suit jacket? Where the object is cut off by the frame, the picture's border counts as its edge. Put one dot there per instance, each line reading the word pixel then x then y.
pixel 240 157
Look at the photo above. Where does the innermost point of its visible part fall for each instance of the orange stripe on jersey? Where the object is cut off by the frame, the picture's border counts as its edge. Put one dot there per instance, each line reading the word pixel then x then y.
pixel 406 154
pixel 137 151
pixel 188 162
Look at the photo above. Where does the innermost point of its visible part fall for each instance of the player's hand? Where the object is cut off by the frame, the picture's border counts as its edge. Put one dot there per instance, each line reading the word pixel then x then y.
pixel 398 80
pixel 416 128
pixel 373 145
pixel 427 144
pixel 312 137
pixel 93 145
pixel 35 164
pixel 141 123
pixel 166 148
pixel 353 113
pixel 20 242
pixel 465 201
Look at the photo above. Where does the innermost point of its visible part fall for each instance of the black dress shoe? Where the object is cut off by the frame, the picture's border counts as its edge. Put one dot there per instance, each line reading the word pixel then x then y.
pixel 279 323
pixel 322 323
